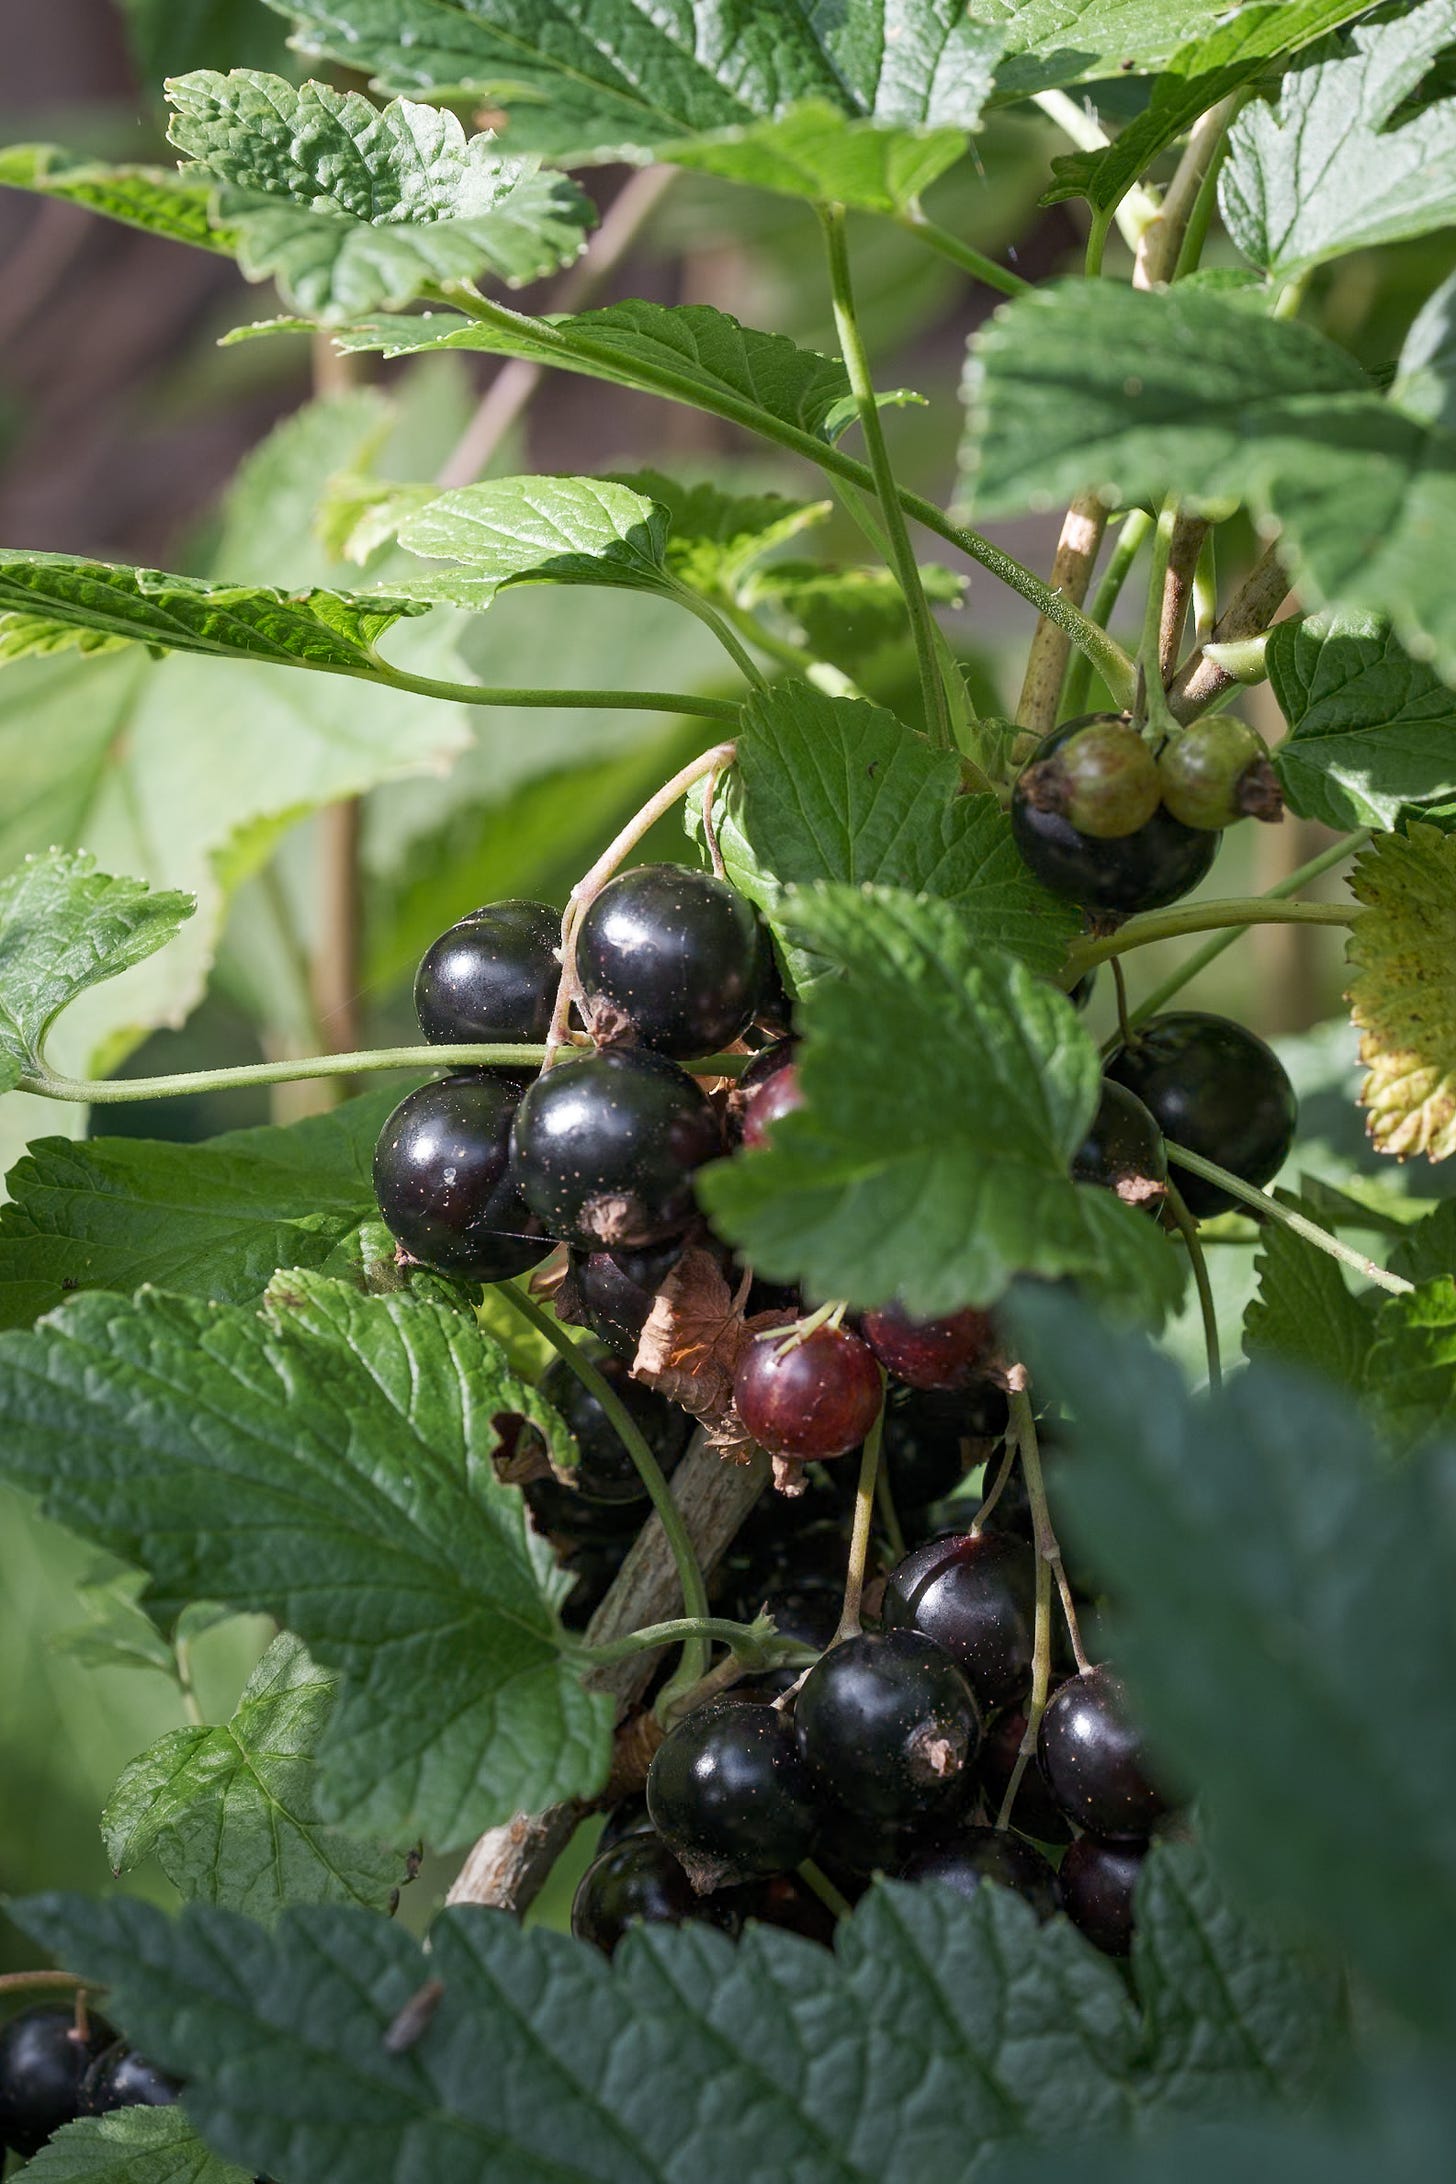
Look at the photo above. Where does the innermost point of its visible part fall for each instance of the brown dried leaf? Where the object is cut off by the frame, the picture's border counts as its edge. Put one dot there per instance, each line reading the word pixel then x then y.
pixel 692 1340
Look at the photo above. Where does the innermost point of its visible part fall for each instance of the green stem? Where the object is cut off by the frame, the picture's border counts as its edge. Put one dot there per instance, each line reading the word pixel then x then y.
pixel 612 701
pixel 1203 917
pixel 864 1515
pixel 740 1638
pixel 902 553
pixel 825 1890
pixel 1097 243
pixel 1023 1431
pixel 1135 529
pixel 48 1983
pixel 975 262
pixel 1327 859
pixel 711 619
pixel 1188 1230
pixel 1151 704
pixel 649 1471
pixel 1262 1203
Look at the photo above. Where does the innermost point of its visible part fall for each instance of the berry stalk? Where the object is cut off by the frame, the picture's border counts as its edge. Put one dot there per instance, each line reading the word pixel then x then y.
pixel 864 1513
pixel 1262 1203
pixel 1188 1230
pixel 1204 917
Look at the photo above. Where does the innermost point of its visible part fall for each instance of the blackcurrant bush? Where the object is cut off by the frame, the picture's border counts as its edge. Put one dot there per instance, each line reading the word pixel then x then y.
pixel 492 976
pixel 604 1471
pixel 1096 1884
pixel 777 1094
pixel 605 1149
pixel 1094 1760
pixel 730 1792
pixel 445 1183
pixel 890 1727
pixel 1123 1151
pixel 1217 771
pixel 975 1595
pixel 1098 774
pixel 974 1855
pixel 1035 1812
pixel 43 2065
pixel 615 1289
pixel 815 1400
pixel 933 1353
pixel 673 957
pixel 120 2078
pixel 639 1878
pixel 1216 1088
pixel 1140 871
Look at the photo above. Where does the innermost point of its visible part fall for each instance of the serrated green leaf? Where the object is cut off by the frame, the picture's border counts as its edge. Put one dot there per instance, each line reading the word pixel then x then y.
pixel 718 538
pixel 936 1181
pixel 231 1813
pixel 157 199
pixel 118 1633
pixel 1413 1363
pixel 1428 1249
pixel 1051 42
pixel 814 151
pixel 1372 731
pixel 834 789
pixel 845 615
pixel 64 927
pixel 1401 995
pixel 211 1220
pixel 132 2146
pixel 328 1461
pixel 1324 172
pixel 1303 1311
pixel 1261 1555
pixel 1425 382
pixel 1194 79
pixel 537 530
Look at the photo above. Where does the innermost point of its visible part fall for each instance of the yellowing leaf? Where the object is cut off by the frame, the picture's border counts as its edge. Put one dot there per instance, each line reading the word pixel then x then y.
pixel 1404 993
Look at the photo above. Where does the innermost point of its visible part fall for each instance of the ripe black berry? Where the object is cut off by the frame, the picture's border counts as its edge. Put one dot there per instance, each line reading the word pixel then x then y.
pixel 674 957
pixel 1096 1884
pixel 931 1354
pixel 816 1400
pixel 639 1878
pixel 1094 1760
pixel 604 1149
pixel 492 976
pixel 1217 771
pixel 1097 773
pixel 890 1727
pixel 614 1290
pixel 975 1595
pixel 974 1855
pixel 1123 1150
pixel 1216 1088
pixel 605 1472
pixel 730 1792
pixel 445 1183
pixel 120 2078
pixel 1140 871
pixel 43 2065
pixel 1035 1812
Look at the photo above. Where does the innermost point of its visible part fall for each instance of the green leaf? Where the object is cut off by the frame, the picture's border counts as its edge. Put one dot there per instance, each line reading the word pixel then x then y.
pixel 1401 994
pixel 118 1632
pixel 1324 173
pixel 717 539
pixel 845 615
pixel 1051 42
pixel 937 1181
pixel 1372 731
pixel 1194 79
pixel 328 1461
pixel 1425 383
pixel 1284 1661
pixel 132 2146
pixel 64 927
pixel 813 151
pixel 1413 1363
pixel 211 1220
pixel 538 530
pixel 231 1813
pixel 834 789
pixel 1428 1249
pixel 1303 1312
pixel 351 209
pixel 158 199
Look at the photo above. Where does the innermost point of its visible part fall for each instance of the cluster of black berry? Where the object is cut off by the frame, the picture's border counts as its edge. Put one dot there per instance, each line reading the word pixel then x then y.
pixel 58 2063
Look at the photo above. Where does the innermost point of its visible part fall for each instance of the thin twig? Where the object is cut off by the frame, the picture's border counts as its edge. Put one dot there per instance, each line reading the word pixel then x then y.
pixel 1273 1210
pixel 864 1515
pixel 1188 1230
pixel 1199 682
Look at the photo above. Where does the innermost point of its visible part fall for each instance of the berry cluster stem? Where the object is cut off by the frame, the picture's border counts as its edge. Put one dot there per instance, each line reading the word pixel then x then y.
pixel 864 1517
pixel 1049 1569
pixel 1204 917
pixel 1188 1230
pixel 748 1646
pixel 48 1983
pixel 1262 1203
pixel 1135 528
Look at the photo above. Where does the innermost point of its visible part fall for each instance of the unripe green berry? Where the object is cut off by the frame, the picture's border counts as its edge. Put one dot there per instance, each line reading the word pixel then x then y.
pixel 1102 778
pixel 1217 771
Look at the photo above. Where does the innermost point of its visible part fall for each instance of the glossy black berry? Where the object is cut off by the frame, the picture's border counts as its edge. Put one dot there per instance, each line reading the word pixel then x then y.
pixel 975 1595
pixel 1217 1089
pixel 1217 771
pixel 120 2078
pixel 974 1855
pixel 1140 871
pixel 929 1353
pixel 492 976
pixel 1123 1150
pixel 1097 773
pixel 613 1291
pixel 1096 1886
pixel 816 1399
pixel 445 1183
pixel 639 1879
pixel 1094 1760
pixel 1035 1811
pixel 671 958
pixel 605 1149
pixel 778 1094
pixel 730 1792
pixel 891 1728
pixel 43 2065
pixel 629 1817
pixel 604 1471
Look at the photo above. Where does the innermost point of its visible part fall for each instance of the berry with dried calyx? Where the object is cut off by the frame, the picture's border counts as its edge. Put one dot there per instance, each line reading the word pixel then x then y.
pixel 1123 1150
pixel 1217 771
pixel 605 1149
pixel 445 1180
pixel 1217 1089
pixel 807 1398
pixel 1098 774
pixel 673 958
pixel 730 1792
pixel 1156 864
pixel 891 1729
pixel 639 1879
